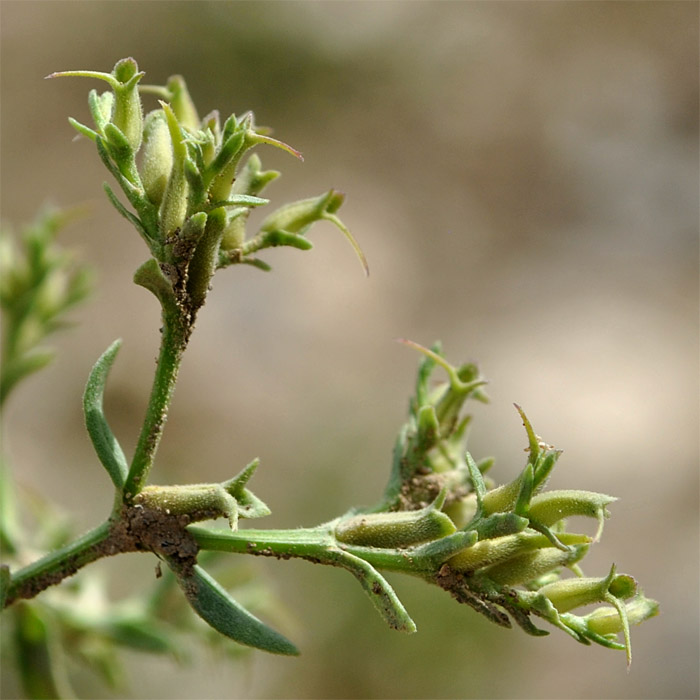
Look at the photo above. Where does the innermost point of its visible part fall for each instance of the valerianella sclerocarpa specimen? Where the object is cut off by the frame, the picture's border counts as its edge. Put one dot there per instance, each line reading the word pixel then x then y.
pixel 506 550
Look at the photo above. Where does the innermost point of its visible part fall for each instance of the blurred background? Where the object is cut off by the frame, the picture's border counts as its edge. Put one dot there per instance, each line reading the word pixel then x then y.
pixel 523 178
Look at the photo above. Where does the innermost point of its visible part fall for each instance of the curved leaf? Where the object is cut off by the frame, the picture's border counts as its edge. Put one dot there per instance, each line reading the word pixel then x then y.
pixel 219 610
pixel 106 446
pixel 381 594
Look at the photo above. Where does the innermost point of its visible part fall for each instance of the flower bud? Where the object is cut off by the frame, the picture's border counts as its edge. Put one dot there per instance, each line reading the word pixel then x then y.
pixel 173 208
pixel 606 620
pixel 128 114
pixel 502 549
pixel 552 506
pixel 234 233
pixel 296 217
pixel 157 159
pixel 252 179
pixel 398 529
pixel 182 103
pixel 203 264
pixel 576 592
pixel 531 565
pixel 101 107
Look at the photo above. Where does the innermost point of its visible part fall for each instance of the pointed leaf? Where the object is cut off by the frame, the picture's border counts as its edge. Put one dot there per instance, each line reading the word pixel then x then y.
pixel 106 446
pixel 380 592
pixel 133 220
pixel 82 129
pixel 218 609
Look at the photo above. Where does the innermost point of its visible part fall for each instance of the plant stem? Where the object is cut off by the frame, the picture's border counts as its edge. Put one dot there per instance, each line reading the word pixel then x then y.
pixel 306 543
pixel 175 334
pixel 316 544
pixel 63 562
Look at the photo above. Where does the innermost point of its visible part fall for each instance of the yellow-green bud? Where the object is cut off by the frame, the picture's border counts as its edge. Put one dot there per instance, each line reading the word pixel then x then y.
pixel 128 114
pixel 576 592
pixel 157 159
pixel 531 565
pixel 182 103
pixel 399 529
pixel 173 208
pixel 607 620
pixel 552 506
pixel 198 501
pixel 502 549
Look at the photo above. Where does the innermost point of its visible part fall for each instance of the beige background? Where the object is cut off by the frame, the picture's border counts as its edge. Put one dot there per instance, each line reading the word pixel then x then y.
pixel 524 180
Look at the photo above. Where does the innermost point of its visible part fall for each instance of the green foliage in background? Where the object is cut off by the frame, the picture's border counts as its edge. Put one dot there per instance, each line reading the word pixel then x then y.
pixel 188 185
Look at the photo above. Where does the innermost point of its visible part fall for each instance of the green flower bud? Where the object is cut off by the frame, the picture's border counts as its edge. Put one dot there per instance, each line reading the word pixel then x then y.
pixel 399 529
pixel 223 167
pixel 229 499
pixel 552 506
pixel 182 103
pixel 531 565
pixel 500 549
pixel 128 113
pixel 574 593
pixel 252 180
pixel 606 620
pixel 234 233
pixel 203 263
pixel 197 501
pixel 157 159
pixel 173 208
pixel 101 107
pixel 298 216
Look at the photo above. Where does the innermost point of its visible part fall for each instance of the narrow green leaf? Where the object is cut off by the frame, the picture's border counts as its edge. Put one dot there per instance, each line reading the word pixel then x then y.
pixel 379 591
pixel 217 608
pixel 82 129
pixel 133 220
pixel 106 446
pixel 245 200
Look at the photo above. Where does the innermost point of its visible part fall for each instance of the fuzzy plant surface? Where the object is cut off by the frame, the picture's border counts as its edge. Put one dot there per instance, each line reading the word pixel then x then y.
pixel 188 185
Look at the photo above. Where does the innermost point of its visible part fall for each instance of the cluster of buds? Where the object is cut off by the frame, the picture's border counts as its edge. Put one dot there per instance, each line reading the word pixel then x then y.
pixel 500 549
pixel 188 183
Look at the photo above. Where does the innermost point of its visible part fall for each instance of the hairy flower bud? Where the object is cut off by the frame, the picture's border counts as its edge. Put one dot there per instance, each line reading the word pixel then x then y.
pixel 173 208
pixel 568 594
pixel 399 529
pixel 157 159
pixel 128 113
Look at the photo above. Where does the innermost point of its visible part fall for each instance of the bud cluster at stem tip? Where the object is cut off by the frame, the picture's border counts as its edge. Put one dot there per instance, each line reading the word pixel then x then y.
pixel 189 186
pixel 497 548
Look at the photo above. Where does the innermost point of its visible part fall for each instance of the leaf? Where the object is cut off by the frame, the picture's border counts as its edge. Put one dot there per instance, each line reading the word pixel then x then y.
pixel 218 609
pixel 133 220
pixel 106 446
pixel 381 594
pixel 244 200
pixel 82 129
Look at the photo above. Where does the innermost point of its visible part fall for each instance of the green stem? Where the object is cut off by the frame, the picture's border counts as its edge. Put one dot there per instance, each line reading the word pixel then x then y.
pixel 57 565
pixel 307 543
pixel 176 332
pixel 317 544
